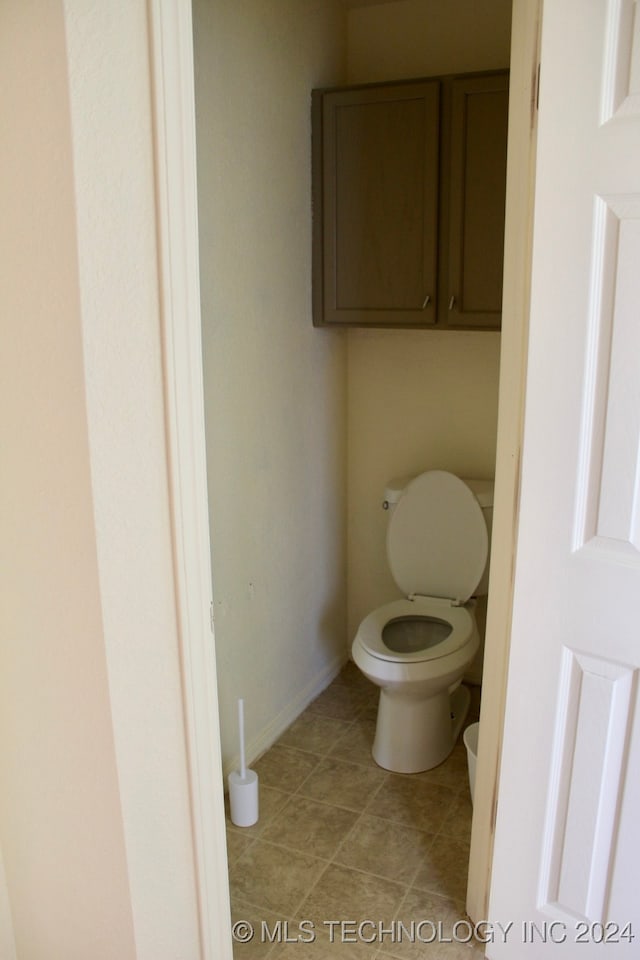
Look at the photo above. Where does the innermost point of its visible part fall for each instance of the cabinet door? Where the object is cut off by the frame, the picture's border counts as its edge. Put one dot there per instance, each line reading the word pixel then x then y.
pixel 379 197
pixel 471 290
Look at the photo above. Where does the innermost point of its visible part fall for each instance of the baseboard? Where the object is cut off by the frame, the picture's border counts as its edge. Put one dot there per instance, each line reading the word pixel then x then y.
pixel 267 737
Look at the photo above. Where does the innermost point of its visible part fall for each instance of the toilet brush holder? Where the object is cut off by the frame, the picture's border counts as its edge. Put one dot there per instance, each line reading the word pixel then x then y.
pixel 243 785
pixel 243 798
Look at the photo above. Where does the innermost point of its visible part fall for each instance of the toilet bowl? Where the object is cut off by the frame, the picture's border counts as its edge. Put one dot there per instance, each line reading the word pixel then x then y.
pixel 417 649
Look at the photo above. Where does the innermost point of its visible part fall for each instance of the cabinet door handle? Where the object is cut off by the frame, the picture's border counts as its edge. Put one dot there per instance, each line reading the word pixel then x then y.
pixel 426 301
pixel 452 303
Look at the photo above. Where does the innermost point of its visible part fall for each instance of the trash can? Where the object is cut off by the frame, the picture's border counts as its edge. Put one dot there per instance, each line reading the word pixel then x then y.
pixel 471 743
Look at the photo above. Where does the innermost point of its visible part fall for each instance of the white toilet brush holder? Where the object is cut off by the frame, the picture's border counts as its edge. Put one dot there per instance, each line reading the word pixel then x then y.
pixel 243 785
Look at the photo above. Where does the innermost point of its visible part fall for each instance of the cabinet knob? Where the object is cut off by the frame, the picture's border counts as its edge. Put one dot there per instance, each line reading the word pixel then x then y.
pixel 426 301
pixel 452 303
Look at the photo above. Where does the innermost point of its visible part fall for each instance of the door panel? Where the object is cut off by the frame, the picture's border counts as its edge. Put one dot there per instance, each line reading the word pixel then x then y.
pixel 567 845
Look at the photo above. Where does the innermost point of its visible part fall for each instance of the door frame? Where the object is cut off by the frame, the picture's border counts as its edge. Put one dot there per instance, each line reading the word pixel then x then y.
pixel 171 42
pixel 173 103
pixel 523 88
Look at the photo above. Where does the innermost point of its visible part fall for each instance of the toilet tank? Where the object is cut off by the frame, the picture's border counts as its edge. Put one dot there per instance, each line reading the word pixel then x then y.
pixel 483 490
pixel 394 490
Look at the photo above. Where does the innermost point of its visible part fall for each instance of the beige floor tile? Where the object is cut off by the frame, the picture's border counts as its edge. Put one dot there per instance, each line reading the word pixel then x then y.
pixel 441 951
pixel 385 849
pixel 284 768
pixel 370 710
pixel 412 801
pixel 328 942
pixel 251 927
pixel 310 827
pixel 272 877
pixel 314 733
pixel 270 801
pixel 237 843
pixel 423 922
pixel 452 773
pixel 400 843
pixel 444 869
pixel 457 950
pixel 340 701
pixel 353 677
pixel 342 783
pixel 457 823
pixel 343 894
pixel 356 744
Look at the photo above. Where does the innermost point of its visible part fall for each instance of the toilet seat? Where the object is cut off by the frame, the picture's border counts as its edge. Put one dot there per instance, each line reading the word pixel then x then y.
pixel 370 632
pixel 437 546
pixel 437 540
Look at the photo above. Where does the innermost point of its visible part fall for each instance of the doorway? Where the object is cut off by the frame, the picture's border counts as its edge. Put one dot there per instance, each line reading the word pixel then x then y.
pixel 336 361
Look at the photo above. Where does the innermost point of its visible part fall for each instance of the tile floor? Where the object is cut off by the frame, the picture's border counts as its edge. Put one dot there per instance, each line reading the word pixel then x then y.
pixel 340 839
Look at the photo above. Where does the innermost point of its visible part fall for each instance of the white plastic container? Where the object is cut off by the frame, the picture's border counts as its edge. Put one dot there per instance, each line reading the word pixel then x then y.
pixel 243 798
pixel 243 785
pixel 471 743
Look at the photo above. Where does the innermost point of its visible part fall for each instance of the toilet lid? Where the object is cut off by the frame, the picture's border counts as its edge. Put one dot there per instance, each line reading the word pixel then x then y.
pixel 437 539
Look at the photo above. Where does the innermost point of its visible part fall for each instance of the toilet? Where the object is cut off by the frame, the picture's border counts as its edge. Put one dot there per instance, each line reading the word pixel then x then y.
pixel 418 649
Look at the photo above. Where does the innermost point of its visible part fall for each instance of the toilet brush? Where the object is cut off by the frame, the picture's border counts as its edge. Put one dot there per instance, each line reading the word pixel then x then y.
pixel 243 785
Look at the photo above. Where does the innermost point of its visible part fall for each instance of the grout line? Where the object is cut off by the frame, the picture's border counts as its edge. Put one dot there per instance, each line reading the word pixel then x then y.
pixel 326 803
pixel 376 792
pixel 345 838
pixel 230 864
pixel 378 876
pixel 304 779
pixel 260 906
pixel 284 846
pixel 312 887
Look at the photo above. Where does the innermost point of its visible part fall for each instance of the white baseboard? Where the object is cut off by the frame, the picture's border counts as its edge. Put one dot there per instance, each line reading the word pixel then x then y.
pixel 267 736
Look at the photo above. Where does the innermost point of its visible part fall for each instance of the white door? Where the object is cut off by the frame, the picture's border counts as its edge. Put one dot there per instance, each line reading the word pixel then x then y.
pixel 566 873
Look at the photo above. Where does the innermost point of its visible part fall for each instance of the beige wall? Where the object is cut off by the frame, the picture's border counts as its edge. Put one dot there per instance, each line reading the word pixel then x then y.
pixel 94 807
pixel 417 38
pixel 275 387
pixel 417 399
pixel 60 817
pixel 281 407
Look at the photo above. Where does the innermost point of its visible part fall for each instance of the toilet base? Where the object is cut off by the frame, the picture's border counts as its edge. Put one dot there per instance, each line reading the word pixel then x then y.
pixel 414 734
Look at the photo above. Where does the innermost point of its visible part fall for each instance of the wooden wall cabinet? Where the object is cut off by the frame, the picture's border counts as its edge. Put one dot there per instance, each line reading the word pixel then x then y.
pixel 408 203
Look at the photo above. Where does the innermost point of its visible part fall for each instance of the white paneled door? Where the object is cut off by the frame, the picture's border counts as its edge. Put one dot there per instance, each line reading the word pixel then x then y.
pixel 566 876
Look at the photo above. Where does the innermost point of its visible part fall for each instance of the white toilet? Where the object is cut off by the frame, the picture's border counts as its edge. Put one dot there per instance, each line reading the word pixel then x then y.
pixel 418 649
